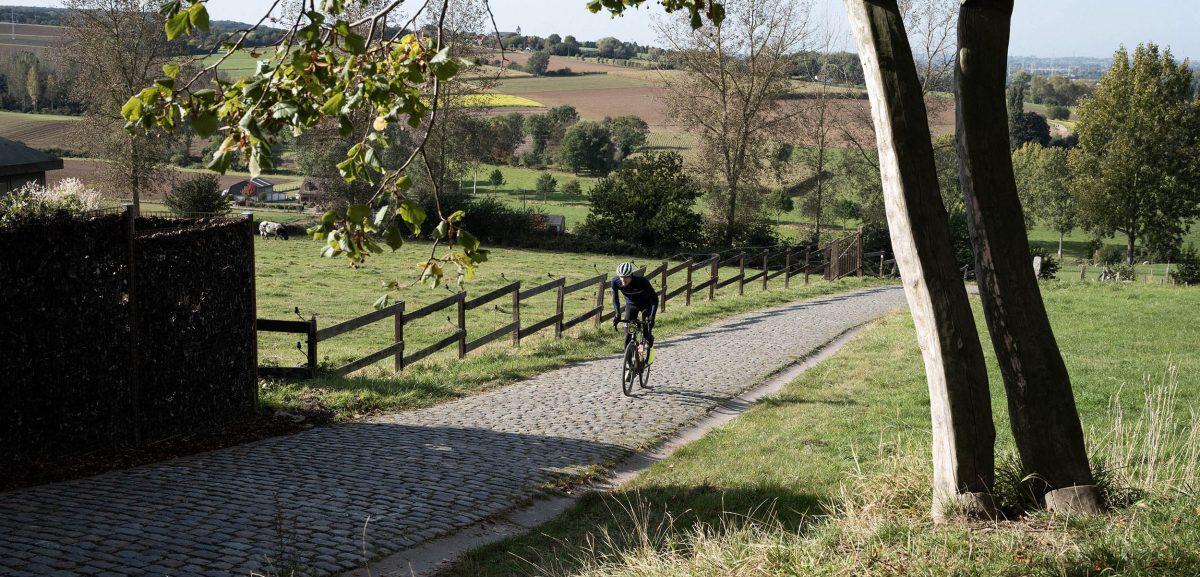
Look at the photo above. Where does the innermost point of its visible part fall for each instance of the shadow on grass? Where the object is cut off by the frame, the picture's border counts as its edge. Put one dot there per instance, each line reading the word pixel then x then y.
pixel 602 526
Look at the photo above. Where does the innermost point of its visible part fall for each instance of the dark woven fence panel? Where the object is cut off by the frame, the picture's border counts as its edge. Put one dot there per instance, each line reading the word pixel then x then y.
pixel 195 301
pixel 64 338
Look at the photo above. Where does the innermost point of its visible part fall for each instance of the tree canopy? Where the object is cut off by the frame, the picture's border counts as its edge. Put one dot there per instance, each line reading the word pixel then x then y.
pixel 1137 170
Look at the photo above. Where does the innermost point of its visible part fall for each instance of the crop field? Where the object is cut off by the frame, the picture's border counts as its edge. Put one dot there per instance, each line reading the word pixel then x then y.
pixel 39 130
pixel 496 100
pixel 34 38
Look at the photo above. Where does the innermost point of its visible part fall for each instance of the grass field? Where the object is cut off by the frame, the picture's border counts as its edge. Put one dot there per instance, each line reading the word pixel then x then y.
pixel 831 475
pixel 290 274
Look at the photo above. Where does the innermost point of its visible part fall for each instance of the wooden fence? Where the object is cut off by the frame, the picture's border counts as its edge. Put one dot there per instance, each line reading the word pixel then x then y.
pixel 682 280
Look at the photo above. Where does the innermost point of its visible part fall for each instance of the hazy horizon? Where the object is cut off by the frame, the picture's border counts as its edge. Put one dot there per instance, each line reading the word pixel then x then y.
pixel 1052 29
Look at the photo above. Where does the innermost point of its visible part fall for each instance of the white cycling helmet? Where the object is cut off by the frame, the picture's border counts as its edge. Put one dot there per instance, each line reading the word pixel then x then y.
pixel 625 269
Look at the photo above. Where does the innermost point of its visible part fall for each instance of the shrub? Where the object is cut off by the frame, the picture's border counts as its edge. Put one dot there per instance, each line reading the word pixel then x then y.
pixel 34 201
pixel 572 188
pixel 496 178
pixel 199 194
pixel 1049 264
pixel 1058 112
pixel 1187 270
pixel 1109 254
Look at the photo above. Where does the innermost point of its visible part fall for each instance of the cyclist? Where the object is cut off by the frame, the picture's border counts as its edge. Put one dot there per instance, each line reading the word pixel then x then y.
pixel 640 298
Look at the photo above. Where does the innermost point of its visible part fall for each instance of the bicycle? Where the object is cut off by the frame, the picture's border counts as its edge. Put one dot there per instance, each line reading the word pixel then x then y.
pixel 633 362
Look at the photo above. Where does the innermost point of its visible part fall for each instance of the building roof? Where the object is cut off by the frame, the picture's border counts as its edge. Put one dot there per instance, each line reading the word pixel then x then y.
pixel 16 158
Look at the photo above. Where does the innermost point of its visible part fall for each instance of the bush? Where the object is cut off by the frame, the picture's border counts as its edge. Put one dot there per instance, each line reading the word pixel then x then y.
pixel 1049 264
pixel 1109 254
pixel 35 202
pixel 199 194
pixel 496 178
pixel 572 188
pixel 1187 270
pixel 1058 112
pixel 649 201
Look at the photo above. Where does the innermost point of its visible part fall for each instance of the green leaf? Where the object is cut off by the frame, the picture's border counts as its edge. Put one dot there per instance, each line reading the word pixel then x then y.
pixel 381 216
pixel 479 256
pixel 358 213
pixel 383 301
pixel 329 252
pixel 392 237
pixel 204 122
pixel 334 104
pixel 468 241
pixel 254 163
pixel 176 25
pixel 441 230
pixel 198 16
pixel 171 70
pixel 404 183
pixel 329 218
pixel 456 216
pixel 169 8
pixel 413 214
pixel 132 110
pixel 355 44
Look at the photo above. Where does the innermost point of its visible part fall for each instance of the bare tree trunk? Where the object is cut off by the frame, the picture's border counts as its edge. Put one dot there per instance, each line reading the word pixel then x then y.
pixel 1041 407
pixel 963 434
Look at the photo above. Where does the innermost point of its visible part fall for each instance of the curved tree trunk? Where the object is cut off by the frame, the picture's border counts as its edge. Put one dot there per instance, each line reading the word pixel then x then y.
pixel 1045 423
pixel 963 434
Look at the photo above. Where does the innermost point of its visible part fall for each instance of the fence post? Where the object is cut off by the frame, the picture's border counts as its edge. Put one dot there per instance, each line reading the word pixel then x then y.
pixel 807 256
pixel 558 309
pixel 662 294
pixel 1082 270
pixel 860 254
pixel 399 332
pixel 687 293
pixel 712 286
pixel 766 253
pixel 742 273
pixel 831 265
pixel 881 255
pixel 600 298
pixel 787 269
pixel 249 218
pixel 135 392
pixel 312 347
pixel 462 324
pixel 516 314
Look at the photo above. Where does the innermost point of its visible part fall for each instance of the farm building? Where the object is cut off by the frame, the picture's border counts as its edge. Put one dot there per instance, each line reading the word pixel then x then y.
pixel 20 165
pixel 313 190
pixel 556 223
pixel 257 190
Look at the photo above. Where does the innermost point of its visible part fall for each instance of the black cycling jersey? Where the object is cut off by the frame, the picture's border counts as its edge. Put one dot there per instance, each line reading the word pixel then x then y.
pixel 639 293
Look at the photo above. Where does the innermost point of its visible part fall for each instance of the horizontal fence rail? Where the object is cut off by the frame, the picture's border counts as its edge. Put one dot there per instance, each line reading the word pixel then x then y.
pixel 694 275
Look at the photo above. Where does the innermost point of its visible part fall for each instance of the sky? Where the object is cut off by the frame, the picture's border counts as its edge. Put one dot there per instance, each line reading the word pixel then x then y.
pixel 1042 28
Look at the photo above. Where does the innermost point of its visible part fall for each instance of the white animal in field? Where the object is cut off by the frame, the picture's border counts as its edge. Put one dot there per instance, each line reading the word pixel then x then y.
pixel 267 228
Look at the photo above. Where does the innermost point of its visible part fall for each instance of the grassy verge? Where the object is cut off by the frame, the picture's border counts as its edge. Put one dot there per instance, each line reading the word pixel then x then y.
pixel 290 275
pixel 831 476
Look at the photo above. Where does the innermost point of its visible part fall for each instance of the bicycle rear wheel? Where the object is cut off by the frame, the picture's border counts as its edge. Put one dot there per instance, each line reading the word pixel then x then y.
pixel 629 368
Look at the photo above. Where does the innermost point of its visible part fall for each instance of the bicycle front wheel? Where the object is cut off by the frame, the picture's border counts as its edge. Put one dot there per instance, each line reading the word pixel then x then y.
pixel 629 368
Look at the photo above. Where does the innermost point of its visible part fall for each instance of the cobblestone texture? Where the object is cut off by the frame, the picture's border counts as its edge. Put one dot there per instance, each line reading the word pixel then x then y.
pixel 301 501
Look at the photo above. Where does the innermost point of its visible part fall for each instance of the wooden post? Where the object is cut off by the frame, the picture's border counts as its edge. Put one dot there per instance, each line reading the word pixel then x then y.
pixel 558 309
pixel 1044 419
pixel 832 270
pixel 249 218
pixel 715 275
pixel 766 252
pixel 881 255
pixel 516 314
pixel 687 296
pixel 312 346
pixel 741 273
pixel 399 332
pixel 1082 270
pixel 135 391
pixel 462 324
pixel 787 270
pixel 600 298
pixel 662 289
pixel 807 256
pixel 960 404
pixel 860 256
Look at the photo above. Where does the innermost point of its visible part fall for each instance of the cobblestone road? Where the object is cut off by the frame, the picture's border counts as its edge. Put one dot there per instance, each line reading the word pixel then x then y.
pixel 301 501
